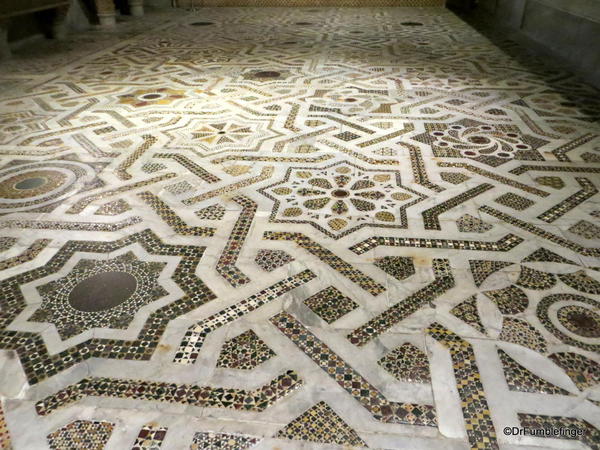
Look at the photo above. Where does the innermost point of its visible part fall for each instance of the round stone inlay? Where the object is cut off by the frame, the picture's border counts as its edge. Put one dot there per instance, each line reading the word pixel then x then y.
pixel 340 193
pixel 479 140
pixel 102 291
pixel 152 96
pixel 30 183
pixel 579 320
pixel 267 74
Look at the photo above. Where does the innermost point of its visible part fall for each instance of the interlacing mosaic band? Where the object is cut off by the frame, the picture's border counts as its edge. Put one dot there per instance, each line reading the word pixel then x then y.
pixel 350 380
pixel 296 228
pixel 201 396
pixel 329 258
pixel 404 308
pixel 194 337
pixel 476 412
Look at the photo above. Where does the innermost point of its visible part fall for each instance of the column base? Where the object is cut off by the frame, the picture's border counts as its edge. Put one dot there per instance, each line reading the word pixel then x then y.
pixel 136 10
pixel 59 28
pixel 107 20
pixel 59 32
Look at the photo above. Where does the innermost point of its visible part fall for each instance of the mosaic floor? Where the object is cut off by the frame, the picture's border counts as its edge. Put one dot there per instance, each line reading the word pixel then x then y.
pixel 297 229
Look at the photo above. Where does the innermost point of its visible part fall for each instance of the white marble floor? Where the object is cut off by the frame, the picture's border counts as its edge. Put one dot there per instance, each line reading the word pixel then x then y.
pixel 287 228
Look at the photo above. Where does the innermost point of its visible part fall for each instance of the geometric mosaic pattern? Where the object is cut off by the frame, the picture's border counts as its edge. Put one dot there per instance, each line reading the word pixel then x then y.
pixel 70 303
pixel 583 371
pixel 510 300
pixel 478 422
pixel 330 304
pixel 84 434
pixel 514 201
pixel 321 424
pixel 206 440
pixel 4 433
pixel 269 260
pixel 293 227
pixel 467 312
pixel 37 361
pixel 407 363
pixel 244 352
pixel 471 224
pixel 521 379
pixel 398 267
pixel 150 438
pixel 351 381
pixel 586 229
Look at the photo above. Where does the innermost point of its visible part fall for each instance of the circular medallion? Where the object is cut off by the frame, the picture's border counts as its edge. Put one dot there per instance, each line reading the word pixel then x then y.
pixel 31 183
pixel 579 320
pixel 102 291
pixel 34 185
pixel 579 317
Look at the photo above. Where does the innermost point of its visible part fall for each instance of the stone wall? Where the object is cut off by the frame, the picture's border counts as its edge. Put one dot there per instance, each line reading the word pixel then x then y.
pixel 566 29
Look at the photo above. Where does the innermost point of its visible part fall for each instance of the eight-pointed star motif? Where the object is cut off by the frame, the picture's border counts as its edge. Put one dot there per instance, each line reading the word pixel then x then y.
pixel 341 198
pixel 99 294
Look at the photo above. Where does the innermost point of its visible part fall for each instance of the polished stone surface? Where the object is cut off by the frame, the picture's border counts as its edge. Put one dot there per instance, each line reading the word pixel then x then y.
pixel 305 228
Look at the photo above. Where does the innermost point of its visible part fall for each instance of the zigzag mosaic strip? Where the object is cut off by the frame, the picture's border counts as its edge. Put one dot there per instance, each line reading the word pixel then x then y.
pixel 560 209
pixel 431 215
pixel 496 177
pixel 504 244
pixel 190 165
pixel 476 412
pixel 350 380
pixel 72 226
pixel 191 344
pixel 81 204
pixel 537 231
pixel 29 254
pixel 201 396
pixel 226 264
pixel 404 308
pixel 172 219
pixel 329 258
pixel 265 174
